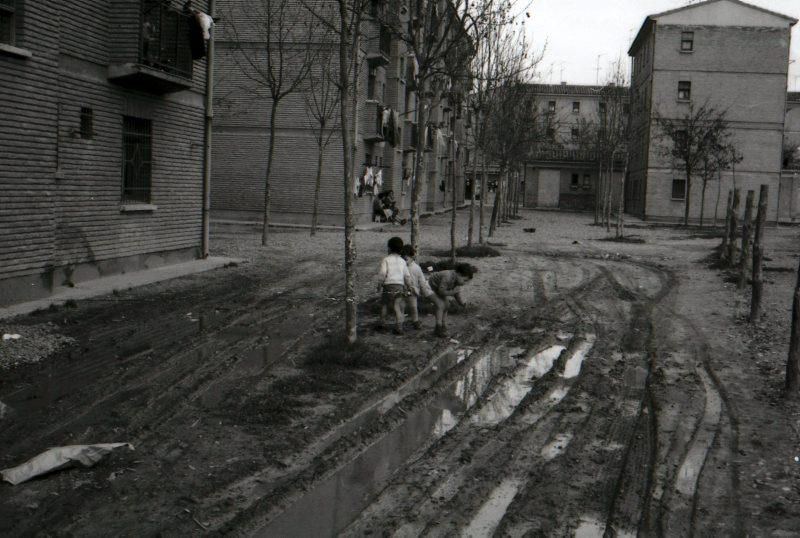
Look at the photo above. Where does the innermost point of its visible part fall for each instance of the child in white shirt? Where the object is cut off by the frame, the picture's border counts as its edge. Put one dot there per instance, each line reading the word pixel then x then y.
pixel 419 285
pixel 395 279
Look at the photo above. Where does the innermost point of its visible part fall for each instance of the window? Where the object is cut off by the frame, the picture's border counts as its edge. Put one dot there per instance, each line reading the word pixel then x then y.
pixel 551 106
pixel 7 21
pixel 575 180
pixel 87 123
pixel 575 133
pixel 576 107
pixel 687 41
pixel 602 107
pixel 551 133
pixel 137 149
pixel 626 108
pixel 587 181
pixel 678 189
pixel 684 90
pixel 402 69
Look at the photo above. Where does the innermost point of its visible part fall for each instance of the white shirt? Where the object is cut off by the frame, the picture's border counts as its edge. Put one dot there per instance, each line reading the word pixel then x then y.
pixel 418 280
pixel 394 270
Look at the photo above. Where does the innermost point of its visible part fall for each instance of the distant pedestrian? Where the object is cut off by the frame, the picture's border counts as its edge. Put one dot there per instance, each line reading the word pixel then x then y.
pixel 419 285
pixel 395 281
pixel 447 284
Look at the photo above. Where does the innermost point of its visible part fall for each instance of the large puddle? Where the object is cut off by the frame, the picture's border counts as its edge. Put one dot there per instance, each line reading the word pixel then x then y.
pixel 335 502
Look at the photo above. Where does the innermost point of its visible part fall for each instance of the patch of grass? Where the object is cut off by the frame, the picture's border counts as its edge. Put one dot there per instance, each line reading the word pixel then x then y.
pixel 624 239
pixel 336 353
pixel 475 251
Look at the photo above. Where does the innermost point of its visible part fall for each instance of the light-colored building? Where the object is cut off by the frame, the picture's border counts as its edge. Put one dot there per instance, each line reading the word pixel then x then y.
pixel 563 171
pixel 723 53
pixel 385 131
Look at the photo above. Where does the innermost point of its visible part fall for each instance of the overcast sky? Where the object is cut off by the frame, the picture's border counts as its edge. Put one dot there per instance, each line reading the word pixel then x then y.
pixel 576 31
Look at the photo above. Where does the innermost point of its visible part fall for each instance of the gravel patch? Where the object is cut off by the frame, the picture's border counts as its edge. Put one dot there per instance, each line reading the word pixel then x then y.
pixel 28 344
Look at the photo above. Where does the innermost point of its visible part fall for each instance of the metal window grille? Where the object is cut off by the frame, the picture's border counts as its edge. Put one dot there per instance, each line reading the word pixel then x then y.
pixel 7 21
pixel 137 151
pixel 678 189
pixel 687 40
pixel 165 38
pixel 87 123
pixel 684 90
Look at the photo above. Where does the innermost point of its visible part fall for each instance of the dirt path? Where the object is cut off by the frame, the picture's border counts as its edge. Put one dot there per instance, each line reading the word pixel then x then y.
pixel 589 389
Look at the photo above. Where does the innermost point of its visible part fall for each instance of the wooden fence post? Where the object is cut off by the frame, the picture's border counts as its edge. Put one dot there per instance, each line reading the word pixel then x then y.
pixel 731 257
pixel 726 237
pixel 793 361
pixel 758 256
pixel 747 239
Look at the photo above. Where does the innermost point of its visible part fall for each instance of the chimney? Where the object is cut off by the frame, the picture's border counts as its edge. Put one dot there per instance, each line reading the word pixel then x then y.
pixel 563 83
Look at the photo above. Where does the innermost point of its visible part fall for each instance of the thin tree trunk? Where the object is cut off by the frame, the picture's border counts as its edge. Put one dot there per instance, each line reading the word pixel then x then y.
pixel 726 237
pixel 598 190
pixel 758 256
pixel 484 190
pixel 703 201
pixel 418 181
pixel 688 197
pixel 270 154
pixel 747 235
pixel 498 200
pixel 734 228
pixel 609 191
pixel 318 181
pixel 455 206
pixel 719 192
pixel 793 360
pixel 621 208
pixel 348 59
pixel 473 183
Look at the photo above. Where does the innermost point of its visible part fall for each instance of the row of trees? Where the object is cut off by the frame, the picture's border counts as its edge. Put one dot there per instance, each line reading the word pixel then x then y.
pixel 459 48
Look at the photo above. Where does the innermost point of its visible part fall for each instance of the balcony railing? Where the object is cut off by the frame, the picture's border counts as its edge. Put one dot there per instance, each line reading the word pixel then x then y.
pixel 410 136
pixel 380 47
pixel 373 123
pixel 164 39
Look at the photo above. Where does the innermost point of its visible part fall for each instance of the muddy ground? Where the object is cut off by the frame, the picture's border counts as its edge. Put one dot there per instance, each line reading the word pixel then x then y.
pixel 588 387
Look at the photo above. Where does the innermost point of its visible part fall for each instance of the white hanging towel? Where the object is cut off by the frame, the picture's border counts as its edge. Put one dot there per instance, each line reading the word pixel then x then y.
pixel 379 178
pixel 368 177
pixel 206 23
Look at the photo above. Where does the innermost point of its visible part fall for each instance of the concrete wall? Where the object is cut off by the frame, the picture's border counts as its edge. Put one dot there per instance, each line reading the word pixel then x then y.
pixel 61 217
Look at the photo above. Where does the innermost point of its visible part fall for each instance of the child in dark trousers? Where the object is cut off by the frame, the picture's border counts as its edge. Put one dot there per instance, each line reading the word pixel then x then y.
pixel 394 283
pixel 446 284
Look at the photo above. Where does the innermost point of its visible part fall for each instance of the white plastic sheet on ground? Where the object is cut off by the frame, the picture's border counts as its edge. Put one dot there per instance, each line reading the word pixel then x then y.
pixel 61 457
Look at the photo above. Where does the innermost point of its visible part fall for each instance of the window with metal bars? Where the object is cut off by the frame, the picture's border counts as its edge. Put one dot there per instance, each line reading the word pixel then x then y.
pixel 7 22
pixel 137 159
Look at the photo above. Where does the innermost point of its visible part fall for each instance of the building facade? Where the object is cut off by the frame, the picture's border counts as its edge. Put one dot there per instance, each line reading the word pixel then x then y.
pixel 563 170
pixel 385 133
pixel 101 140
pixel 726 54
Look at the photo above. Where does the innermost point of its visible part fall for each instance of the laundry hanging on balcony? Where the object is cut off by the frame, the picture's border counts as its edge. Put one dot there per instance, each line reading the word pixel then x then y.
pixel 200 25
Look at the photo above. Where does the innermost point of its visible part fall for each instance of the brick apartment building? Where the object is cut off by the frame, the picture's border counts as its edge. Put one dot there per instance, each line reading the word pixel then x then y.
pixel 562 172
pixel 101 140
pixel 386 127
pixel 732 56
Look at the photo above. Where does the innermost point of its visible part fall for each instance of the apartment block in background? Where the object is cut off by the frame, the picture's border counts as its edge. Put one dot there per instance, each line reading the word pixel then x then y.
pixel 722 53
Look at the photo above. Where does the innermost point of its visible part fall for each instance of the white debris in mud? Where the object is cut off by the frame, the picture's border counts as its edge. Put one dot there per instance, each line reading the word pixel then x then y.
pixel 35 343
pixel 556 447
pixel 491 513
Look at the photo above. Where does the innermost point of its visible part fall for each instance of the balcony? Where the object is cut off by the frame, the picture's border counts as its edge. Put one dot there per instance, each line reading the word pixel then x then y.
pixel 373 122
pixel 158 56
pixel 380 47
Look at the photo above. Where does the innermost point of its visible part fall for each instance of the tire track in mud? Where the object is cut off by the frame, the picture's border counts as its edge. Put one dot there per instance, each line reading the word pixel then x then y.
pixel 541 432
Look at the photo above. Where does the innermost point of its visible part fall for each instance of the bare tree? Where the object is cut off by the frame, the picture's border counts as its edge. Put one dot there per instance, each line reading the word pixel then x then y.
pixel 322 103
pixel 272 57
pixel 689 139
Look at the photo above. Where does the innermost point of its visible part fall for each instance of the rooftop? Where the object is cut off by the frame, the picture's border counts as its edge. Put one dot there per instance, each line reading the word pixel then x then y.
pixel 567 89
pixel 793 97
